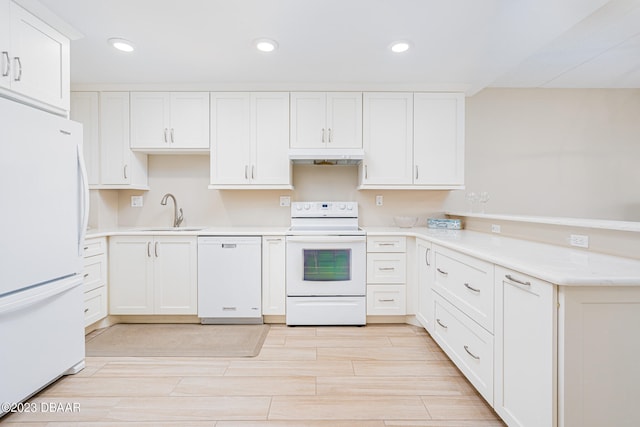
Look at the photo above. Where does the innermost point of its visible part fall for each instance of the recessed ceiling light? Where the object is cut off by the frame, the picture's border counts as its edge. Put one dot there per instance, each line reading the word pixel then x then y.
pixel 266 45
pixel 400 46
pixel 121 44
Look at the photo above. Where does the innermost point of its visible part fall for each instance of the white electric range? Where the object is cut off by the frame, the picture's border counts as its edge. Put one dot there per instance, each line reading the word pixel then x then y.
pixel 326 265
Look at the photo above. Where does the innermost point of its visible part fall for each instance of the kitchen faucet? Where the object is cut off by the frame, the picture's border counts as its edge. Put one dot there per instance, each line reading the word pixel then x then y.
pixel 177 219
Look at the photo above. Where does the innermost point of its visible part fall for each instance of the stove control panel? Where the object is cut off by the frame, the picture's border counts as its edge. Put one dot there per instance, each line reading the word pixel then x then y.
pixel 324 209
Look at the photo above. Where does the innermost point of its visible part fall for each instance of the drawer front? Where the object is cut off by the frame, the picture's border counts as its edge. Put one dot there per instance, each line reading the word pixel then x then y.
pixel 94 272
pixel 468 345
pixel 95 305
pixel 387 244
pixel 466 282
pixel 389 300
pixel 386 268
pixel 95 246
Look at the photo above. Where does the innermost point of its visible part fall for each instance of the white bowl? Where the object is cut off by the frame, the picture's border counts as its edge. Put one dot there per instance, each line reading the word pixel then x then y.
pixel 405 221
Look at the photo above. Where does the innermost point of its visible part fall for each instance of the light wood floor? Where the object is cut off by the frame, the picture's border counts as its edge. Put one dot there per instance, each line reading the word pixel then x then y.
pixel 374 376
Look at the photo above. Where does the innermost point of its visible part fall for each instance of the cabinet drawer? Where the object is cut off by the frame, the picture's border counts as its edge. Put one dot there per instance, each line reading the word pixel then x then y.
pixel 94 272
pixel 390 300
pixel 386 268
pixel 95 305
pixel 95 246
pixel 387 244
pixel 468 345
pixel 466 282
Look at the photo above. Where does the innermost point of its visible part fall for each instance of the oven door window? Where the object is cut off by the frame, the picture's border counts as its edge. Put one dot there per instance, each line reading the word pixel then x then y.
pixel 327 265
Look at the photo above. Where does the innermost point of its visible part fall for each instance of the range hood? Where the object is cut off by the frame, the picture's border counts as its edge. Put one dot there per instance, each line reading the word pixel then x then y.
pixel 326 156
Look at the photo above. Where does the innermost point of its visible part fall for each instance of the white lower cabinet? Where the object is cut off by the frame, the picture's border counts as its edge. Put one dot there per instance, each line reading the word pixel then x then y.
pixel 273 275
pixel 95 280
pixel 386 276
pixel 153 275
pixel 467 344
pixel 424 266
pixel 525 334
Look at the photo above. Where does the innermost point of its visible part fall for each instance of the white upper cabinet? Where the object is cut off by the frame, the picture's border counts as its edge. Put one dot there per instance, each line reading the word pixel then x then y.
pixel 438 139
pixel 119 166
pixel 170 121
pixel 34 62
pixel 85 108
pixel 326 120
pixel 387 139
pixel 413 141
pixel 250 140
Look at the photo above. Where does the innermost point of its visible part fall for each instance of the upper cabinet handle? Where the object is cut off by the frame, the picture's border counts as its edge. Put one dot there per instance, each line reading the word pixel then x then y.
pixel 329 134
pixel 7 64
pixel 323 135
pixel 165 135
pixel 172 141
pixel 417 172
pixel 19 76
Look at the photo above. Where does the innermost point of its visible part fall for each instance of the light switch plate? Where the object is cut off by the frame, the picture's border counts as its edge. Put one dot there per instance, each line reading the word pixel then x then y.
pixel 579 240
pixel 137 201
pixel 495 228
pixel 379 201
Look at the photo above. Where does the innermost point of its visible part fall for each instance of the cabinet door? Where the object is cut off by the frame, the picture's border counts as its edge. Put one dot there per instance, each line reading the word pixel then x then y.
pixel 5 44
pixel 308 120
pixel 270 139
pixel 438 138
pixel 273 275
pixel 189 120
pixel 424 260
pixel 40 59
pixel 115 154
pixel 525 349
pixel 388 138
pixel 150 120
pixel 85 109
pixel 175 273
pixel 230 138
pixel 344 120
pixel 130 275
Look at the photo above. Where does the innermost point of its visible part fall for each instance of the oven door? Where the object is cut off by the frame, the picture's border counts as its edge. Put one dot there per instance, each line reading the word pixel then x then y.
pixel 326 265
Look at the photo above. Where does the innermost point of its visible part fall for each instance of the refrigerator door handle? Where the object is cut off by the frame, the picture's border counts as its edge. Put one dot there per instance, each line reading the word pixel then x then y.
pixel 84 200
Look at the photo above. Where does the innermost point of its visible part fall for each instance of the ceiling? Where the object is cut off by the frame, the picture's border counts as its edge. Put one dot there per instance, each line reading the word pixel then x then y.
pixel 463 45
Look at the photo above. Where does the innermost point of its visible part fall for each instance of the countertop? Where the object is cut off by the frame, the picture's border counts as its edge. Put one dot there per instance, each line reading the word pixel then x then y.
pixel 555 264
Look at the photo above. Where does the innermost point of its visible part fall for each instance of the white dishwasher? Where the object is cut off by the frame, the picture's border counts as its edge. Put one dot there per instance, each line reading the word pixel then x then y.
pixel 229 280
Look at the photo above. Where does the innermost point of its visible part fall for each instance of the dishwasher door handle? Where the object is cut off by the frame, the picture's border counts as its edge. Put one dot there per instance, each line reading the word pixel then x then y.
pixel 229 245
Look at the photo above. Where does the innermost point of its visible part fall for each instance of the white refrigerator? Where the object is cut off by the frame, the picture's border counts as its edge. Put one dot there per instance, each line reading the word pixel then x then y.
pixel 43 218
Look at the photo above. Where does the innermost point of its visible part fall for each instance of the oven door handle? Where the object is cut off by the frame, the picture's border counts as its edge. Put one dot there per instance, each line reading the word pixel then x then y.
pixel 327 239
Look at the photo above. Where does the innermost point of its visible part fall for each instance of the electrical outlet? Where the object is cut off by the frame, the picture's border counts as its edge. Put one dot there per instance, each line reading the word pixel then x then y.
pixel 285 201
pixel 579 240
pixel 137 201
pixel 495 228
pixel 379 201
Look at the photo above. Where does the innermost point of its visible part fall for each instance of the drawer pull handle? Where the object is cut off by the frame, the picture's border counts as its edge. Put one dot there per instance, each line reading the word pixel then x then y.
pixel 471 288
pixel 466 348
pixel 513 279
pixel 86 247
pixel 386 268
pixel 441 324
pixel 86 310
pixel 229 308
pixel 86 275
pixel 386 244
pixel 386 300
pixel 444 273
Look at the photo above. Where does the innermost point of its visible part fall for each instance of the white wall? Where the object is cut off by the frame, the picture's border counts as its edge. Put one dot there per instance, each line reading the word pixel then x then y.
pixel 555 152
